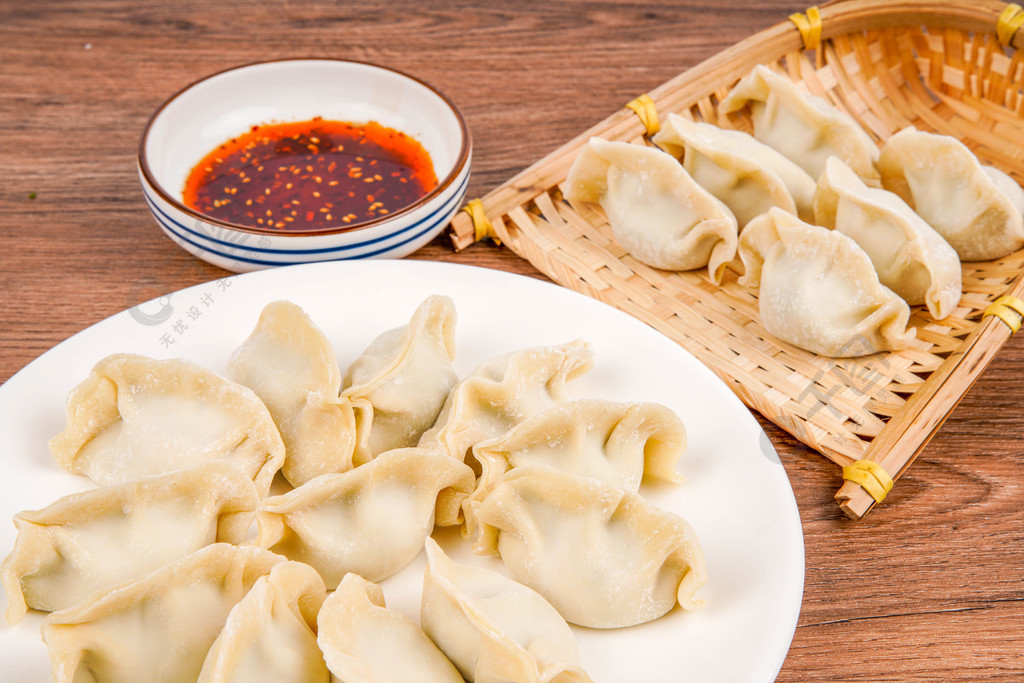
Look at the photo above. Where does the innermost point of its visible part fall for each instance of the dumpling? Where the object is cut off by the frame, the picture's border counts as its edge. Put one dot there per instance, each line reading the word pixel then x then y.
pixel 617 443
pixel 405 375
pixel 747 175
pixel 364 642
pixel 370 520
pixel 291 366
pixel 804 128
pixel 657 212
pixel 125 635
pixel 1007 185
pixel 977 209
pixel 270 635
pixel 909 256
pixel 494 629
pixel 604 557
pixel 136 416
pixel 503 392
pixel 89 541
pixel 819 290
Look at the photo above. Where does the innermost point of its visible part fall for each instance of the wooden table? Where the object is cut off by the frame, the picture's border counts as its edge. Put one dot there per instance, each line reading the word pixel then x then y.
pixel 929 585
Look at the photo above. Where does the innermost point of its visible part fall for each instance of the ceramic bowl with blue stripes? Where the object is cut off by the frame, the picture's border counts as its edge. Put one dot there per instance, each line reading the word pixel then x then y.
pixel 211 111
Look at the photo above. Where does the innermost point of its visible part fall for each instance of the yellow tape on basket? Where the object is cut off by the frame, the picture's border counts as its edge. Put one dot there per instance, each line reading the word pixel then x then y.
pixel 482 226
pixel 1009 309
pixel 1010 20
pixel 809 26
pixel 643 107
pixel 871 476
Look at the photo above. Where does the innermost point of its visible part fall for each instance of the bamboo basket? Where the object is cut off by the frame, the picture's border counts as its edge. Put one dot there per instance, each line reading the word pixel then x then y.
pixel 951 68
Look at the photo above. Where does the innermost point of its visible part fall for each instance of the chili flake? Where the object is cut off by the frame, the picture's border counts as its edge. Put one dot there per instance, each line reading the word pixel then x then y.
pixel 314 166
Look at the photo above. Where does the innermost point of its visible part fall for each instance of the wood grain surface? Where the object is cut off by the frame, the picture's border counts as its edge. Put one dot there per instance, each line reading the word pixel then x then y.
pixel 929 586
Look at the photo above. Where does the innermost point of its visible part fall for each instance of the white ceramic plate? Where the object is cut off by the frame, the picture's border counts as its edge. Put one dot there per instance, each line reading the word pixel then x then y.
pixel 736 496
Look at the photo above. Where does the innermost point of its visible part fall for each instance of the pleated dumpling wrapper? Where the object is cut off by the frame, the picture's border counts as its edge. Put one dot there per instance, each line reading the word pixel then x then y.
pixel 405 375
pixel 976 208
pixel 291 366
pixel 370 520
pixel 819 290
pixel 493 628
pixel 365 642
pixel 657 212
pixel 617 443
pixel 126 634
pixel 270 635
pixel 604 557
pixel 135 416
pixel 804 128
pixel 910 257
pixel 93 540
pixel 504 391
pixel 747 175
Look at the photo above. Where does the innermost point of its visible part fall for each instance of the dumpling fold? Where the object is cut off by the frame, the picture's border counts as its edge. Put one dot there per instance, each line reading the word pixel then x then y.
pixel 747 175
pixel 270 635
pixel 617 443
pixel 657 212
pixel 976 208
pixel 125 635
pixel 819 290
pixel 604 557
pixel 93 540
pixel 291 366
pixel 804 128
pixel 136 416
pixel 405 375
pixel 365 642
pixel 504 391
pixel 370 520
pixel 494 629
pixel 910 257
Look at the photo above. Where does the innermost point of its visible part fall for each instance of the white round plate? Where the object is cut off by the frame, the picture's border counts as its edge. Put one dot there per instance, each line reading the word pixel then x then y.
pixel 737 495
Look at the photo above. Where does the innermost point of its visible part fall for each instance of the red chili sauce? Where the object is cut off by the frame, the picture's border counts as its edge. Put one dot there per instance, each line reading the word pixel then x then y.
pixel 310 175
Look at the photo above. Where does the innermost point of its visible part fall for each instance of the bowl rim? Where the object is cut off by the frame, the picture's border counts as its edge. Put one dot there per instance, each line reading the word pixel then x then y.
pixel 442 186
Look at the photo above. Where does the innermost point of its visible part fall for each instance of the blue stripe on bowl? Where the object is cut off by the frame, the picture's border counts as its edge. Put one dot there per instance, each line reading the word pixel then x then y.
pixel 445 217
pixel 167 219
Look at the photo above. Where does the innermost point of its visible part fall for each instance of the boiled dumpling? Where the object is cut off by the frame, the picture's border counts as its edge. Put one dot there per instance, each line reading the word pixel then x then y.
pixel 617 443
pixel 1007 185
pixel 503 392
pixel 370 520
pixel 819 290
pixel 747 175
pixel 657 212
pixel 159 627
pixel 89 541
pixel 270 635
pixel 405 375
pixel 976 208
pixel 136 416
pixel 804 128
pixel 909 256
pixel 290 365
pixel 365 642
pixel 494 629
pixel 604 557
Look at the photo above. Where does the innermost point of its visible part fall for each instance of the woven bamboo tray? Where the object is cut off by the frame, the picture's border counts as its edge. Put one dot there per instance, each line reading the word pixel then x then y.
pixel 950 68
